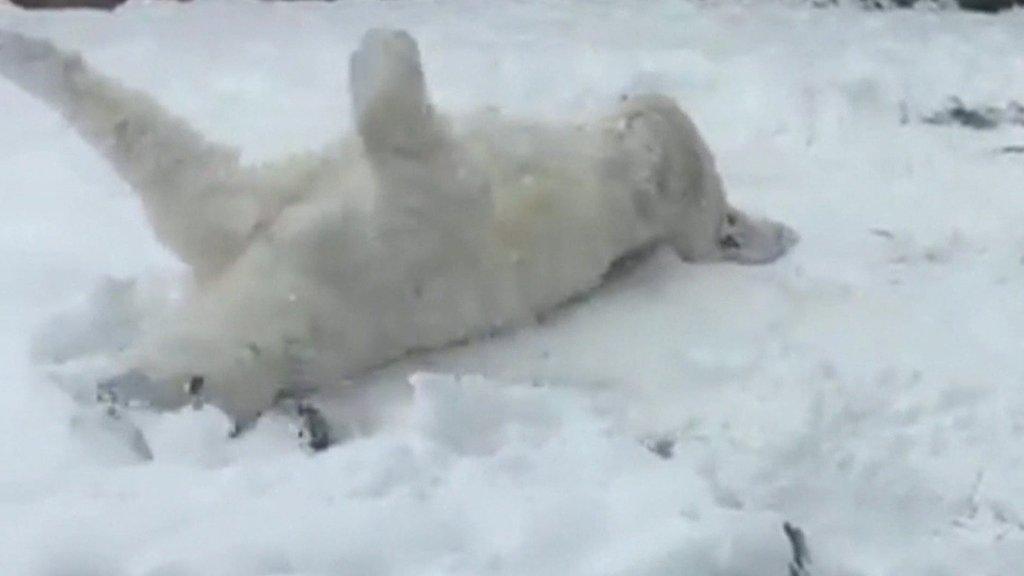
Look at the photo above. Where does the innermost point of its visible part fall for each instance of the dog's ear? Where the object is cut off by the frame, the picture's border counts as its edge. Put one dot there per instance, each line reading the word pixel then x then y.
pixel 753 241
pixel 673 180
pixel 643 160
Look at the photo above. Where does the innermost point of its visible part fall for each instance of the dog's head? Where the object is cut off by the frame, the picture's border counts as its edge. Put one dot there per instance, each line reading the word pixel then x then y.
pixel 678 189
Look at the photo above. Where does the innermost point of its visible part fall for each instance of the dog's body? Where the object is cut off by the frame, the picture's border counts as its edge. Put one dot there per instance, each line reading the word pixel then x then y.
pixel 419 234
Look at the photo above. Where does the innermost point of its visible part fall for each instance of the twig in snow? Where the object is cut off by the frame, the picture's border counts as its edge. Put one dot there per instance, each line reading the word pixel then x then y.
pixel 798 566
pixel 883 233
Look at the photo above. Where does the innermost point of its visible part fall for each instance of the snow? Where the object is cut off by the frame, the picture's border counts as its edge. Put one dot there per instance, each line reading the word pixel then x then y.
pixel 866 388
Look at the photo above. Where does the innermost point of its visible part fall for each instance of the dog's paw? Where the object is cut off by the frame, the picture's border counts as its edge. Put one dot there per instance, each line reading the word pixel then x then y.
pixel 315 432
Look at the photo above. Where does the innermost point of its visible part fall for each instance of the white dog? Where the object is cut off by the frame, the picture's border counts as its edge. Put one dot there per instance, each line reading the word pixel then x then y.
pixel 417 235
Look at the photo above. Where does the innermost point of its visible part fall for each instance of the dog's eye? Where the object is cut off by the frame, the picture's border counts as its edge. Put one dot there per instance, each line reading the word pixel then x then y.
pixel 730 219
pixel 729 242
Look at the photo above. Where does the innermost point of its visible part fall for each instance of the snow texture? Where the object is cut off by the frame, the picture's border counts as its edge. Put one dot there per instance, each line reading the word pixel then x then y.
pixel 866 388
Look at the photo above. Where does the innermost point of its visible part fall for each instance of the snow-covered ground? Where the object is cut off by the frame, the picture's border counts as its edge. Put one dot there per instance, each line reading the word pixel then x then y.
pixel 868 388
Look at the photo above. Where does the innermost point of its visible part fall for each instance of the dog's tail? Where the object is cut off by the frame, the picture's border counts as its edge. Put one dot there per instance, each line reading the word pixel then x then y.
pixel 194 192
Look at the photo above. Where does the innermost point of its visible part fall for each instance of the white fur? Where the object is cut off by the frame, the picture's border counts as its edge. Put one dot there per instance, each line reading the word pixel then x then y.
pixel 417 235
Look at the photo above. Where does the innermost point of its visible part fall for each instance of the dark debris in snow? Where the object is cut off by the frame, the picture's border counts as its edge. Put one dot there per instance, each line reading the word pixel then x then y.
pixel 987 117
pixel 798 566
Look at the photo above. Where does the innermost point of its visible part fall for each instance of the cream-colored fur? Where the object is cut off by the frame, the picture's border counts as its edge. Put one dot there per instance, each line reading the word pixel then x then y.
pixel 421 233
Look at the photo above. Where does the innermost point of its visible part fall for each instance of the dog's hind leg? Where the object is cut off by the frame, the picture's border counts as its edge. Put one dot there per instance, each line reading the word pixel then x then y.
pixel 389 98
pixel 194 192
pixel 431 198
